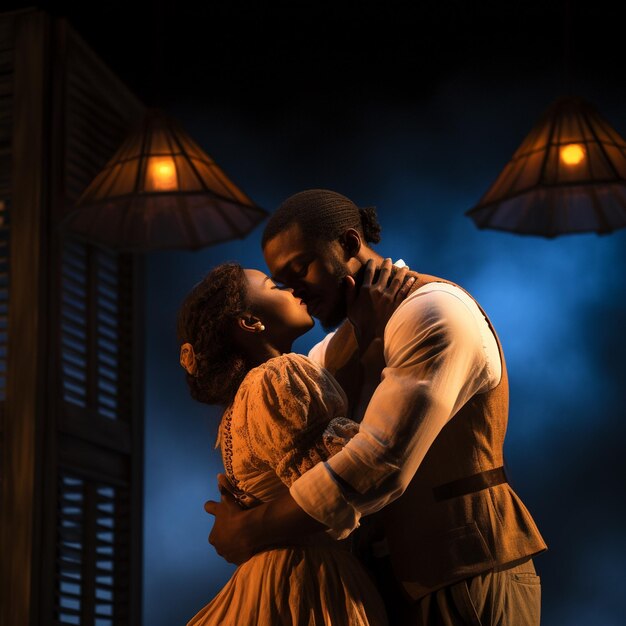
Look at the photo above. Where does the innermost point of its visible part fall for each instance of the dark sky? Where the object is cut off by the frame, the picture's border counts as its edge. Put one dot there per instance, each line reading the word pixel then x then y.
pixel 414 108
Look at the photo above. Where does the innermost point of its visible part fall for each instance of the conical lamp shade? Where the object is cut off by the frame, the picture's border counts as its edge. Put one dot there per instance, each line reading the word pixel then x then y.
pixel 161 190
pixel 568 176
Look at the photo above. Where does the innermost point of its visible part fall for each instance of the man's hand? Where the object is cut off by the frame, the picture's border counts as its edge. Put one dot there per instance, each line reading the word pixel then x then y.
pixel 231 536
pixel 371 306
pixel 240 533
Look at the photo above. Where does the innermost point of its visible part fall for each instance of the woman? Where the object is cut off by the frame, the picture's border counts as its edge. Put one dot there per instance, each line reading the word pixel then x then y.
pixel 283 415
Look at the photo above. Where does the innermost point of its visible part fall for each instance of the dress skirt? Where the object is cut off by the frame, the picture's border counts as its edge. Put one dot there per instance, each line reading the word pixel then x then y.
pixel 296 586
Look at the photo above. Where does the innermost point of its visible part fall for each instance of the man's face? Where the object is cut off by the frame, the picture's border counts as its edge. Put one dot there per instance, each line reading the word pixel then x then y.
pixel 315 270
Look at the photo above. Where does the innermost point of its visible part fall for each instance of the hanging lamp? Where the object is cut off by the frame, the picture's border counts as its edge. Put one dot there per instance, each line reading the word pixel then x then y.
pixel 162 191
pixel 568 176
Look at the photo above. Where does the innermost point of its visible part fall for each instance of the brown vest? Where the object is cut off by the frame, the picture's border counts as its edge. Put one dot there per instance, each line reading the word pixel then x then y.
pixel 450 524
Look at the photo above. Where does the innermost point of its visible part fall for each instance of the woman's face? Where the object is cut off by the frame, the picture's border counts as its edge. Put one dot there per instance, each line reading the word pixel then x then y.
pixel 284 316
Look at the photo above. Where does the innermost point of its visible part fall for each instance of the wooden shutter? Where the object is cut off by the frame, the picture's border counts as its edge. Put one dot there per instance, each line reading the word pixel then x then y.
pixel 71 429
pixel 100 413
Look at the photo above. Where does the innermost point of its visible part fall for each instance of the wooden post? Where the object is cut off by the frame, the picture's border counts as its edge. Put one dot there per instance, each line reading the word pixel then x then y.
pixel 26 359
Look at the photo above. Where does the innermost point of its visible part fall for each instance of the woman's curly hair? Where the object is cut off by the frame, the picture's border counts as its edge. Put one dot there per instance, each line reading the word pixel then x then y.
pixel 206 320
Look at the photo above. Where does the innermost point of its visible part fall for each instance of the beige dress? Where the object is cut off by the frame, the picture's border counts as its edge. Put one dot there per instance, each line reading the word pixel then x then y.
pixel 287 416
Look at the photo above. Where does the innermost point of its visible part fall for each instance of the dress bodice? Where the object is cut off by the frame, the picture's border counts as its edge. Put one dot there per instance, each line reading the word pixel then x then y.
pixel 288 414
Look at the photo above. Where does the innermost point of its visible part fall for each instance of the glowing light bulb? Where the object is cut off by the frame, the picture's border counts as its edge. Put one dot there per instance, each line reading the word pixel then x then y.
pixel 161 174
pixel 572 154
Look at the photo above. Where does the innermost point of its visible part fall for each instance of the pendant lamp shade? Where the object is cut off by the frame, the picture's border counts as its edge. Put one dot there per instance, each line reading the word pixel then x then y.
pixel 568 176
pixel 162 191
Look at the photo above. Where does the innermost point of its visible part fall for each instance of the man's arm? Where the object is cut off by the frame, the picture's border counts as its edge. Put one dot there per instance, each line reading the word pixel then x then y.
pixel 435 362
pixel 238 534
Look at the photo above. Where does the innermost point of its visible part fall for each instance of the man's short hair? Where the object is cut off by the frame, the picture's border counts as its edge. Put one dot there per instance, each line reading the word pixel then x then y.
pixel 322 214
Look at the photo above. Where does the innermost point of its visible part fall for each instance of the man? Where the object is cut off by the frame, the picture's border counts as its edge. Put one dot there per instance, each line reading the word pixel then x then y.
pixel 427 463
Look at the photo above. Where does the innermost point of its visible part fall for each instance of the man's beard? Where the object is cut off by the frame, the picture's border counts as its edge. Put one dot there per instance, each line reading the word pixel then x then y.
pixel 339 311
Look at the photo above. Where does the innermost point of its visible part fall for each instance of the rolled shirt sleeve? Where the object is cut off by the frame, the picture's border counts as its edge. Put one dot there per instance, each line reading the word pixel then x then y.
pixel 435 361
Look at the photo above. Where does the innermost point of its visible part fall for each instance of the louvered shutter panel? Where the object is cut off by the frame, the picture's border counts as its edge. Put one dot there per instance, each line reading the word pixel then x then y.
pixel 74 324
pixel 96 340
pixel 91 578
pixel 100 458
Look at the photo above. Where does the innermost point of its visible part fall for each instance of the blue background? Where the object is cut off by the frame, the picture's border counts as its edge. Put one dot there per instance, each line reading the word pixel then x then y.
pixel 558 306
pixel 414 108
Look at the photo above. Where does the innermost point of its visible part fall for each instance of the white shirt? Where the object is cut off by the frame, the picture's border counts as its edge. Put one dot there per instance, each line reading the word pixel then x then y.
pixel 439 351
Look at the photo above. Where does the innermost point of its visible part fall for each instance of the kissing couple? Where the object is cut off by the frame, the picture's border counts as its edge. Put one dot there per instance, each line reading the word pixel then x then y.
pixel 364 483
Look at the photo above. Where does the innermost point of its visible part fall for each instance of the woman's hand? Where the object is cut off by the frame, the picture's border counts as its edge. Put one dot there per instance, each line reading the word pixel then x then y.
pixel 371 306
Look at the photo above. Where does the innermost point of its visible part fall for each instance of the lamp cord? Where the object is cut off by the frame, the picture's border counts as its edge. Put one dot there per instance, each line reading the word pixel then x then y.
pixel 156 48
pixel 566 78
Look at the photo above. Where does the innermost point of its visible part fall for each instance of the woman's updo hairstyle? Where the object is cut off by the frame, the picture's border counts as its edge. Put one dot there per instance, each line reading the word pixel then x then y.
pixel 206 320
pixel 323 214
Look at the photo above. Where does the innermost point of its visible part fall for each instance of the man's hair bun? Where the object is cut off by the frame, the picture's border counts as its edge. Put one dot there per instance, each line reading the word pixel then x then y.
pixel 370 225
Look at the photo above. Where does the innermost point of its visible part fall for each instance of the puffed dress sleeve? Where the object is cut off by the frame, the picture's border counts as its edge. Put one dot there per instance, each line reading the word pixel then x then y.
pixel 295 416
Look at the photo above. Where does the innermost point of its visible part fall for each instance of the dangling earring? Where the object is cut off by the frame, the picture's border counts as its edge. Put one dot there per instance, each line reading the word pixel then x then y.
pixel 259 326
